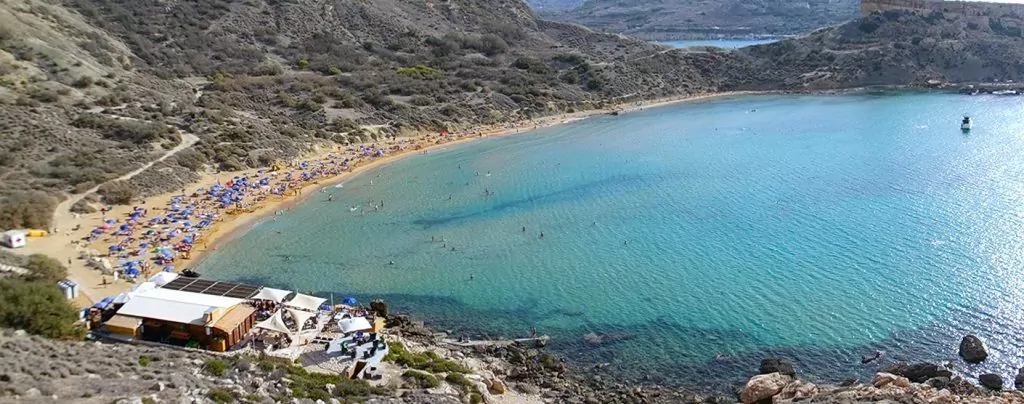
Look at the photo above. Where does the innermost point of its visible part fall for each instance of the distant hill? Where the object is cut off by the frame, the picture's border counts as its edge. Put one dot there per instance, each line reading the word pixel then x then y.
pixel 684 19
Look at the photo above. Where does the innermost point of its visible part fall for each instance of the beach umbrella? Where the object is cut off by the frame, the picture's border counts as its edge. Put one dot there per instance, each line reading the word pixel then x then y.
pixel 114 248
pixel 97 231
pixel 351 301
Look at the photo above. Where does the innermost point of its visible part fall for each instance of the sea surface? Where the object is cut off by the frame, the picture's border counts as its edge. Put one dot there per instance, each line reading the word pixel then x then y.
pixel 721 43
pixel 695 238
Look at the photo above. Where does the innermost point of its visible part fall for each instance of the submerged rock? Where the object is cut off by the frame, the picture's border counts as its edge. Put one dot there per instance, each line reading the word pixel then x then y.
pixel 972 349
pixel 604 338
pixel 1018 381
pixel 763 387
pixel 871 358
pixel 776 365
pixel 992 381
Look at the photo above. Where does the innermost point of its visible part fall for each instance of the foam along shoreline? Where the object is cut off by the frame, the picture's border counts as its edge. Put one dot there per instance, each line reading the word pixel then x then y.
pixel 65 244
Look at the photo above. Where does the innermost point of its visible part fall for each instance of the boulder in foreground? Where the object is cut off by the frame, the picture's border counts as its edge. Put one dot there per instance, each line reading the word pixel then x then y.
pixel 763 387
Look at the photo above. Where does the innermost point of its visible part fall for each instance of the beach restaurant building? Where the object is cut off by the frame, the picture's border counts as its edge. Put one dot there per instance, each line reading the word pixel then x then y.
pixel 194 312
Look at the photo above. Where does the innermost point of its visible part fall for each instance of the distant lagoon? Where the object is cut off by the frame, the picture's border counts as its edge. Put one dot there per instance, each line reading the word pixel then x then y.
pixel 721 43
pixel 697 238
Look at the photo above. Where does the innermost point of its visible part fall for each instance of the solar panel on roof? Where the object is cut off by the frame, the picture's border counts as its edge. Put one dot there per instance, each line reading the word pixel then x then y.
pixel 211 287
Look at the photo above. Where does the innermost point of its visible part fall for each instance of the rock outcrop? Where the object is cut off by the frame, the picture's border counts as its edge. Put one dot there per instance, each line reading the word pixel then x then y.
pixel 972 349
pixel 763 387
pixel 918 372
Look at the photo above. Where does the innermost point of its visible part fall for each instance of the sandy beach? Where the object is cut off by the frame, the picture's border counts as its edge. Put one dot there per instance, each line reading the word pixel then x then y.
pixel 67 245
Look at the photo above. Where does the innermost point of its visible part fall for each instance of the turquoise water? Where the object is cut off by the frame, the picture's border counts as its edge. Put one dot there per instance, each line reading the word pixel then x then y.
pixel 721 43
pixel 706 235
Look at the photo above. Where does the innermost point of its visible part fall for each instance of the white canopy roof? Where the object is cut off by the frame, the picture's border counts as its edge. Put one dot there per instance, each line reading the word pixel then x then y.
pixel 300 317
pixel 145 286
pixel 175 305
pixel 311 303
pixel 276 295
pixel 163 278
pixel 274 323
pixel 354 324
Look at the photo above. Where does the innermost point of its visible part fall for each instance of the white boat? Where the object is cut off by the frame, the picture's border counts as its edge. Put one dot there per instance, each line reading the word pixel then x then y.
pixel 965 125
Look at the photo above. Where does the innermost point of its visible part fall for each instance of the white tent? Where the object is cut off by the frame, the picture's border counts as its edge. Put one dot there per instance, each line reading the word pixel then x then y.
pixel 300 317
pixel 274 323
pixel 311 303
pixel 163 278
pixel 354 324
pixel 276 295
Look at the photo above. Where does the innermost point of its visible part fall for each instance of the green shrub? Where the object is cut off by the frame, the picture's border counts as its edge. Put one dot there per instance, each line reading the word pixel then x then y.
pixel 118 193
pixel 221 395
pixel 37 307
pixel 21 210
pixel 421 379
pixel 45 269
pixel 216 367
pixel 83 82
pixel 475 398
pixel 334 71
pixel 144 360
pixel 422 361
pixel 302 63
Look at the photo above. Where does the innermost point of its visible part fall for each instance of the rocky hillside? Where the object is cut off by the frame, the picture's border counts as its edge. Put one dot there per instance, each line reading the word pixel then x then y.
pixel 685 19
pixel 893 48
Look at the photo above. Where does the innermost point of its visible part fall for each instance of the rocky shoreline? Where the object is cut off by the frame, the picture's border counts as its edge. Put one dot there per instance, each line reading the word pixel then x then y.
pixel 35 369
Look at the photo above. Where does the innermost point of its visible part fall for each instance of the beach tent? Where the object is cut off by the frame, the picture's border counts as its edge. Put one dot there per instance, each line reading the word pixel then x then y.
pixel 274 323
pixel 354 324
pixel 277 295
pixel 13 239
pixel 311 303
pixel 300 317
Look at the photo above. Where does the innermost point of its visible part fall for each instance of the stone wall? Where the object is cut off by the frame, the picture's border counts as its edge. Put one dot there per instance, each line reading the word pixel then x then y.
pixel 970 8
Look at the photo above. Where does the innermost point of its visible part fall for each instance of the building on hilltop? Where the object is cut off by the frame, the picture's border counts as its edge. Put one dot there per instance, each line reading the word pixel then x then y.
pixel 970 8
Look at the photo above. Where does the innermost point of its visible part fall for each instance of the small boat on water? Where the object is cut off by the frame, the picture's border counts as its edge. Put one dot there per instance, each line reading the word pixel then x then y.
pixel 965 125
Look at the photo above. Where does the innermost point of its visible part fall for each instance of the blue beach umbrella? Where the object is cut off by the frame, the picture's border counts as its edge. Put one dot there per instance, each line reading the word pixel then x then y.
pixel 351 301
